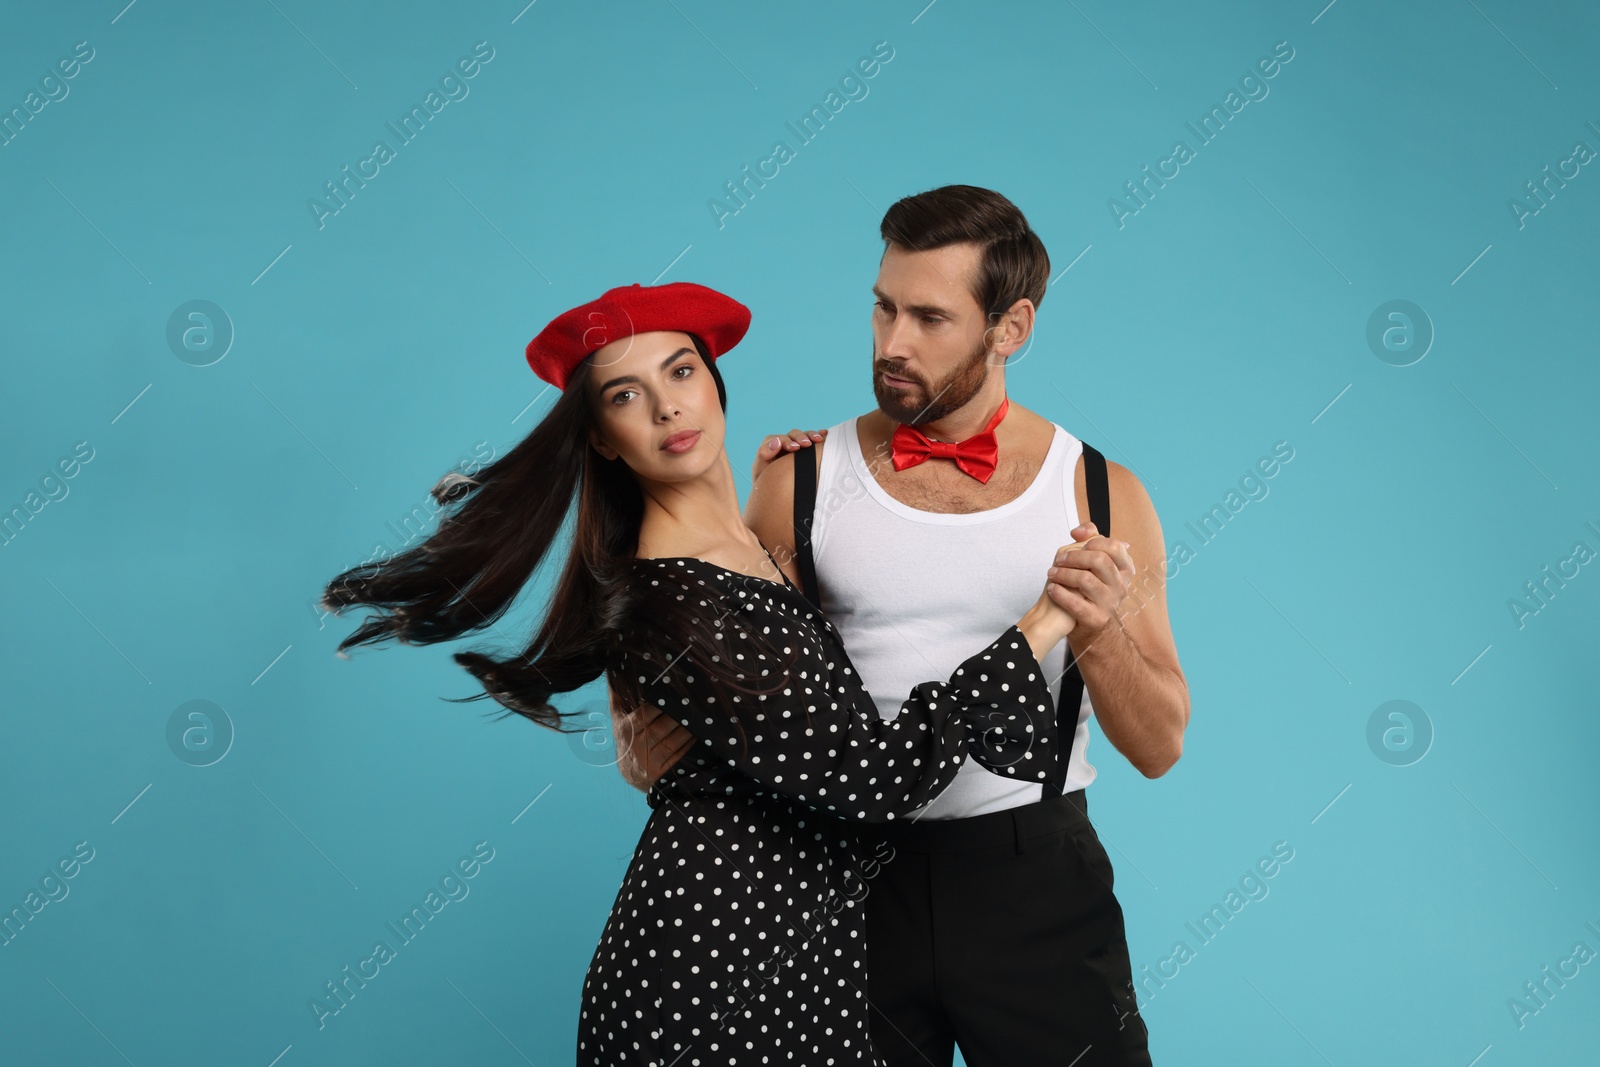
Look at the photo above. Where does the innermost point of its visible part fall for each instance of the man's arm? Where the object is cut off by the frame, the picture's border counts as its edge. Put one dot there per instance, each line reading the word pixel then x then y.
pixel 769 510
pixel 1123 643
pixel 649 742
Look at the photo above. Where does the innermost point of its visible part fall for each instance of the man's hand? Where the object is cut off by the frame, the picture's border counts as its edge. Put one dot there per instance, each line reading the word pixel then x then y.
pixel 649 743
pixel 770 449
pixel 1090 580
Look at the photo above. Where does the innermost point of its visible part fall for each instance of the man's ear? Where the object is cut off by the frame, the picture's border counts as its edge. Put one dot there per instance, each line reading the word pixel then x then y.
pixel 1013 329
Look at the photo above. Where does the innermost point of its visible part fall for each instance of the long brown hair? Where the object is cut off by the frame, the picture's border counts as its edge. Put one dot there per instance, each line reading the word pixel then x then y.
pixel 498 526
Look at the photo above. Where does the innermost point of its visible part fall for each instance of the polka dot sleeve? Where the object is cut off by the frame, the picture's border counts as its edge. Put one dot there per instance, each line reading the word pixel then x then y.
pixel 819 738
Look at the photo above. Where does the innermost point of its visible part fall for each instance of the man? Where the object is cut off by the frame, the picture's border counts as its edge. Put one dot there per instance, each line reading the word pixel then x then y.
pixel 993 927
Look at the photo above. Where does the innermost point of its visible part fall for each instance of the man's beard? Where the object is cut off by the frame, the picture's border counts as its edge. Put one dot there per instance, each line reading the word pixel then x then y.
pixel 919 404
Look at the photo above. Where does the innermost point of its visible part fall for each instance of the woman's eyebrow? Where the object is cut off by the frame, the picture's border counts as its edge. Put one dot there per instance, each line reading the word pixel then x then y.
pixel 633 378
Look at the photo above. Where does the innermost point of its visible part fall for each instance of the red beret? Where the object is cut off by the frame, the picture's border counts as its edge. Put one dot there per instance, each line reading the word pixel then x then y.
pixel 718 321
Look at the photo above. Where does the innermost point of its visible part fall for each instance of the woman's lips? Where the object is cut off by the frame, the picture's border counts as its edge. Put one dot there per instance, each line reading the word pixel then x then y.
pixel 681 442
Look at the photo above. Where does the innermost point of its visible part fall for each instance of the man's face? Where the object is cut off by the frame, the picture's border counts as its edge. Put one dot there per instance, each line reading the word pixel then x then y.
pixel 929 356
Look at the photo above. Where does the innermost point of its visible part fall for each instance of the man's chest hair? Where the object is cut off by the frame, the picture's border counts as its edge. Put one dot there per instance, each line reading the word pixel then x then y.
pixel 951 490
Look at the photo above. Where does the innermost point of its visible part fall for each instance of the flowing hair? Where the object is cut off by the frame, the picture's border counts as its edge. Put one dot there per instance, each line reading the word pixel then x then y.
pixel 496 528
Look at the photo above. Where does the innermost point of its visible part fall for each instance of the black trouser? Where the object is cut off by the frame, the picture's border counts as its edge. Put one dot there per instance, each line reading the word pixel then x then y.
pixel 1000 933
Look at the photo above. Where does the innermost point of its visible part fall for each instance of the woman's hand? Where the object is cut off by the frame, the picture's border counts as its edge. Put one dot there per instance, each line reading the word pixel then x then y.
pixel 777 445
pixel 1093 583
pixel 1047 622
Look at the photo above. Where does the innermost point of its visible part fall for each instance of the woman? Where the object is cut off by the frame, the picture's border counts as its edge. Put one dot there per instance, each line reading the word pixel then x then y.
pixel 735 937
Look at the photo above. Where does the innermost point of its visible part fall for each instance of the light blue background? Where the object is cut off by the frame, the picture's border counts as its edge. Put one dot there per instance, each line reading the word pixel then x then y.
pixel 373 353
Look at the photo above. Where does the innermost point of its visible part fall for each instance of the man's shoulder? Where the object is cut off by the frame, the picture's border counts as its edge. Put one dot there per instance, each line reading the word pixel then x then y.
pixel 775 483
pixel 769 509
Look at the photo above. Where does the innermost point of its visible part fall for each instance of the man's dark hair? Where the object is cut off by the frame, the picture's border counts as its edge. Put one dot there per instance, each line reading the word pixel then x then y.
pixel 1012 264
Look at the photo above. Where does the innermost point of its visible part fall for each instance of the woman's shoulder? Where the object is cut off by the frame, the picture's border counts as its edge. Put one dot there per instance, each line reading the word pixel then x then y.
pixel 669 581
pixel 659 587
pixel 684 570
pixel 650 572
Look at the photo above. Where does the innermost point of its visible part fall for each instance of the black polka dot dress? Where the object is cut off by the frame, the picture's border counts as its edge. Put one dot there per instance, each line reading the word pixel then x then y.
pixel 737 936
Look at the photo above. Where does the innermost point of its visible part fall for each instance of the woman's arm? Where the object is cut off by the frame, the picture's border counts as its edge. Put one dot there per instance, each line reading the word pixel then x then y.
pixel 820 739
pixel 650 742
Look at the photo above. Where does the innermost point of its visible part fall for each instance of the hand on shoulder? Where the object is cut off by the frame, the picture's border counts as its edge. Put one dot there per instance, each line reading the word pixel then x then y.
pixel 779 444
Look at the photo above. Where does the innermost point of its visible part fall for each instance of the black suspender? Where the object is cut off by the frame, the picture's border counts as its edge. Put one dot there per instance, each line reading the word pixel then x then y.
pixel 805 507
pixel 1071 695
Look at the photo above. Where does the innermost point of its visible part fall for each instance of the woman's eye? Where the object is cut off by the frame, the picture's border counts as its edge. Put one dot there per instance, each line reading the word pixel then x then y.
pixel 616 397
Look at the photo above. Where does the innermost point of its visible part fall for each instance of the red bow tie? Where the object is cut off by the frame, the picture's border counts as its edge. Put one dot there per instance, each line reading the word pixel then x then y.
pixel 978 455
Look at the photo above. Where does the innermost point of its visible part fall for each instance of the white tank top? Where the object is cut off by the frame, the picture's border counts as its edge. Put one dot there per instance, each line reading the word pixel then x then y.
pixel 914 593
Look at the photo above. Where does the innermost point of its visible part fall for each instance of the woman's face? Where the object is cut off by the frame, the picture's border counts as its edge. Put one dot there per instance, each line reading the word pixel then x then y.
pixel 651 391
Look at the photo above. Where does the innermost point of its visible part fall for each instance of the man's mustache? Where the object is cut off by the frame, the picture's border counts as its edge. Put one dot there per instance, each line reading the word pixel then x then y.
pixel 884 368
